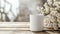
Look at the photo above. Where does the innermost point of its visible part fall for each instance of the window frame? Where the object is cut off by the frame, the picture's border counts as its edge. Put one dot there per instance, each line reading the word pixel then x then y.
pixel 7 26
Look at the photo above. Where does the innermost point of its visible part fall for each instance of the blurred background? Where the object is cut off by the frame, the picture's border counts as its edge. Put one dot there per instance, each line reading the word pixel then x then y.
pixel 19 10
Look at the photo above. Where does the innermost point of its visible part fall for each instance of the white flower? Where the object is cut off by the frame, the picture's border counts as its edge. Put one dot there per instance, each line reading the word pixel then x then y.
pixel 50 2
pixel 57 4
pixel 58 20
pixel 58 15
pixel 47 23
pixel 52 9
pixel 53 13
pixel 42 10
pixel 53 19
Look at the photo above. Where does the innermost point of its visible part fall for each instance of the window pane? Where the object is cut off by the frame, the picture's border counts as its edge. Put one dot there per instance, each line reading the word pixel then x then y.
pixel 9 9
pixel 2 3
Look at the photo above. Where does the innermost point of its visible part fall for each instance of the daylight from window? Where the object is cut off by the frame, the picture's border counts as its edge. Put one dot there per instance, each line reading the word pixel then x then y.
pixel 10 7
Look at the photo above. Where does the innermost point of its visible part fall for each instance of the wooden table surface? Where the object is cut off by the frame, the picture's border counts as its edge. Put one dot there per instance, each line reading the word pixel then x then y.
pixel 29 32
pixel 21 32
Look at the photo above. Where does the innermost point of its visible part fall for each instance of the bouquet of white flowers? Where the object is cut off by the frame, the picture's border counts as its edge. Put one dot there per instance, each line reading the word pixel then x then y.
pixel 51 10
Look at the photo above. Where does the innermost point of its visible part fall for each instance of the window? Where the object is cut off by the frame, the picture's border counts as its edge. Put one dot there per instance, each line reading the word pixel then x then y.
pixel 11 10
pixel 8 8
pixel 12 13
pixel 16 11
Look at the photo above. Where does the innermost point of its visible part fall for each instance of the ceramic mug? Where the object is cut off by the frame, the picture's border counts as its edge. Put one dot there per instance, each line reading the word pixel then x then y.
pixel 36 22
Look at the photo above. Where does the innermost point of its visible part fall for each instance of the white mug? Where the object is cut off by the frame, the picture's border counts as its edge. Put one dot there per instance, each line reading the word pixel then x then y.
pixel 36 22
